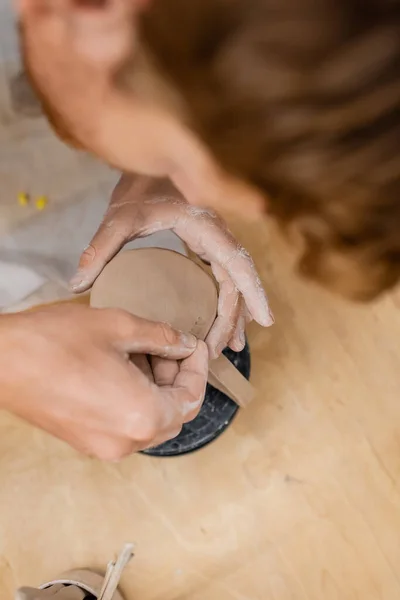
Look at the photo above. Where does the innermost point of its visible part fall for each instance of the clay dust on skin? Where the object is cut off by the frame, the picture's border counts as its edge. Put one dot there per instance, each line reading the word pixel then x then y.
pixel 234 258
pixel 226 256
pixel 164 200
pixel 196 211
pixel 246 279
pixel 118 205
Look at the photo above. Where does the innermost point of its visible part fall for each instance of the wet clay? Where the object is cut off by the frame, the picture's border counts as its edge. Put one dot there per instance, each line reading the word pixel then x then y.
pixel 162 285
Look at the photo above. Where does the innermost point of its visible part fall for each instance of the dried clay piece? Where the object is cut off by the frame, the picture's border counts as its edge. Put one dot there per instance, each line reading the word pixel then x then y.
pixel 72 585
pixel 162 285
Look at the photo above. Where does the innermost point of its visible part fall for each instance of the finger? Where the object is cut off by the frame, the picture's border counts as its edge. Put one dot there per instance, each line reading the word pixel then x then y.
pixel 238 339
pixel 113 233
pixel 106 243
pixel 133 335
pixel 243 272
pixel 166 437
pixel 185 388
pixel 206 236
pixel 240 267
pixel 164 371
pixel 139 207
pixel 142 362
pixel 188 390
pixel 104 447
pixel 110 449
pixel 228 313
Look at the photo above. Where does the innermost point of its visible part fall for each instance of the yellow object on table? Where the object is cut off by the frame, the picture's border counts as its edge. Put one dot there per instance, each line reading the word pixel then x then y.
pixel 41 202
pixel 23 199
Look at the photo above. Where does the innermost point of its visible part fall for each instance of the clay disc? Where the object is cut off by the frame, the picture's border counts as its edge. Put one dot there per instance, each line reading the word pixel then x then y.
pixel 160 285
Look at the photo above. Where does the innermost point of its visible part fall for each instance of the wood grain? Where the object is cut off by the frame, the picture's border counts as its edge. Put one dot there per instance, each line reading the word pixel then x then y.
pixel 299 500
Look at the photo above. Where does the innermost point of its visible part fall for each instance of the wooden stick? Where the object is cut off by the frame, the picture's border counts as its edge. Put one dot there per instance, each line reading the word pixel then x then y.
pixel 114 573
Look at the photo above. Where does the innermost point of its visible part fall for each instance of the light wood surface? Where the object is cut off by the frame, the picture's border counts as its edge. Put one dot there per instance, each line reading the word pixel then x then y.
pixel 298 501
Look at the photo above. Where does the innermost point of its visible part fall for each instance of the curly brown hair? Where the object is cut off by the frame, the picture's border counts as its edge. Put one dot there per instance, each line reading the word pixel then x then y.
pixel 301 98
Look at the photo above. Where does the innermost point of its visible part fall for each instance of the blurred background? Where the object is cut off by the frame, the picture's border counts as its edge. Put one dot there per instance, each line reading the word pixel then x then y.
pixel 65 193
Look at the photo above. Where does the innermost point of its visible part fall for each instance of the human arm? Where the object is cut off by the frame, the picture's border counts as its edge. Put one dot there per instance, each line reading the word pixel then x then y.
pixel 67 370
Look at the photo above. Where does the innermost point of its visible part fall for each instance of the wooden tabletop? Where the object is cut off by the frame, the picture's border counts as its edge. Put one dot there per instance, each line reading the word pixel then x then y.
pixel 299 500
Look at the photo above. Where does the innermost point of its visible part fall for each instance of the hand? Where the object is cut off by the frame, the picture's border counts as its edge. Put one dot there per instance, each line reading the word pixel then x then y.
pixel 66 369
pixel 141 206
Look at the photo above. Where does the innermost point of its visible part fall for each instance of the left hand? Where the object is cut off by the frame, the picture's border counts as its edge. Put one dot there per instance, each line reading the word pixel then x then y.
pixel 141 206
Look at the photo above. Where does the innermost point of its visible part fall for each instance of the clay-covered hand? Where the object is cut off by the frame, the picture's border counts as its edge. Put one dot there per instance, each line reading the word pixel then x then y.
pixel 141 206
pixel 66 369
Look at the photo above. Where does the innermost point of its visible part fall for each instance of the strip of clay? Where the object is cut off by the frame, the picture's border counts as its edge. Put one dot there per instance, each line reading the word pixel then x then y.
pixel 162 285
pixel 53 593
pixel 91 583
pixel 225 377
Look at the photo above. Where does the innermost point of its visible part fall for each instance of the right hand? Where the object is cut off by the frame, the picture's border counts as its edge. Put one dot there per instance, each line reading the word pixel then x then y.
pixel 66 369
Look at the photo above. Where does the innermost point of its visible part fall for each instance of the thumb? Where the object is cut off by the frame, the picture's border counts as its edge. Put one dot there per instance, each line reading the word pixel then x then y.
pixel 106 243
pixel 133 335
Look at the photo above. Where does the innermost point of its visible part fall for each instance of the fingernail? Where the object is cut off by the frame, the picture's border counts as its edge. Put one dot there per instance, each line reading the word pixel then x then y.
pixel 267 320
pixel 236 346
pixel 189 340
pixel 77 282
pixel 242 339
